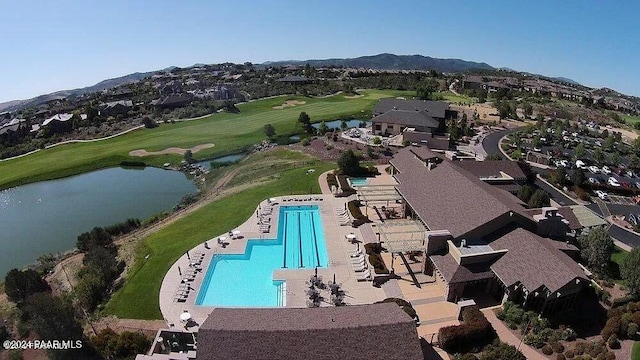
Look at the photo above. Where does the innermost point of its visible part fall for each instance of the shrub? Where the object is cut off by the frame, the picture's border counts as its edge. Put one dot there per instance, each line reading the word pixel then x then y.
pixel 632 330
pixel 569 354
pixel 560 357
pixel 534 340
pixel 305 142
pixel 557 347
pixel 475 331
pixel 613 342
pixel 404 304
pixel 547 350
pixel 569 334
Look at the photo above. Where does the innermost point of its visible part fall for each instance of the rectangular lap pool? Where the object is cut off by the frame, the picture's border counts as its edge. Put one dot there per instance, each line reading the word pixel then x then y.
pixel 246 280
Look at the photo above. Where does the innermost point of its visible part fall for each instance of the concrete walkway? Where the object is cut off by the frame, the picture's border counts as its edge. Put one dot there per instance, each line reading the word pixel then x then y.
pixel 508 337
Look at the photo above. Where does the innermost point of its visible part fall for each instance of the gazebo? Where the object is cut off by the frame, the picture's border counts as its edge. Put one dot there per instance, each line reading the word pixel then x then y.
pixel 402 236
pixel 378 193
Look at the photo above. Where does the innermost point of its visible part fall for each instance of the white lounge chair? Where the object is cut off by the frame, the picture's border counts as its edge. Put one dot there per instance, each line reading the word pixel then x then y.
pixel 357 259
pixel 356 254
pixel 365 276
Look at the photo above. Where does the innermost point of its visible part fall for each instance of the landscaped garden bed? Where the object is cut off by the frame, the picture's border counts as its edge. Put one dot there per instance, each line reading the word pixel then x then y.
pixel 374 250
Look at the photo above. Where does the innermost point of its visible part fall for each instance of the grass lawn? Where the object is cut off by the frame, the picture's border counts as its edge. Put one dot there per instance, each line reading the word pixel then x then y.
pixel 228 131
pixel 630 119
pixel 138 298
pixel 453 98
pixel 635 351
pixel 617 257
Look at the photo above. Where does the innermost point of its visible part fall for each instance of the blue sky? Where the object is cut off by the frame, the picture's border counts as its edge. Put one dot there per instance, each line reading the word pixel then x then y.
pixel 64 44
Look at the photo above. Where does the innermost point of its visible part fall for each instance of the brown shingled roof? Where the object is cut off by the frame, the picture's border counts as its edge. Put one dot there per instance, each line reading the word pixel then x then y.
pixel 565 211
pixel 377 331
pixel 448 197
pixel 532 261
pixel 492 168
pixel 407 118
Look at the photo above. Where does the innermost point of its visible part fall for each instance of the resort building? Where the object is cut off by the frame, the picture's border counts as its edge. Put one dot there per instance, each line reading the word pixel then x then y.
pixel 480 241
pixel 393 116
pixel 345 332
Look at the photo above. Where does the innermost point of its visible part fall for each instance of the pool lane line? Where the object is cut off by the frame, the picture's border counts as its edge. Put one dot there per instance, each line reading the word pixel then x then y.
pixel 300 237
pixel 315 239
pixel 284 239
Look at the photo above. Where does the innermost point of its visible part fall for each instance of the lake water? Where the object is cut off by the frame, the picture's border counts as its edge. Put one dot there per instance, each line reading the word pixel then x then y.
pixel 228 158
pixel 47 217
pixel 335 124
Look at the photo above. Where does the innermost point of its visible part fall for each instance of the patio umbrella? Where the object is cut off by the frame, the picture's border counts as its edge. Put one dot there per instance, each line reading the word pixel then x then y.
pixel 236 233
pixel 185 316
pixel 179 271
pixel 334 278
pixel 188 257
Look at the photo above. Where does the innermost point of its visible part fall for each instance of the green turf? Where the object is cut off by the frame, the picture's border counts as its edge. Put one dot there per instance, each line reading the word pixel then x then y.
pixel 630 119
pixel 229 132
pixel 617 257
pixel 453 98
pixel 635 351
pixel 138 299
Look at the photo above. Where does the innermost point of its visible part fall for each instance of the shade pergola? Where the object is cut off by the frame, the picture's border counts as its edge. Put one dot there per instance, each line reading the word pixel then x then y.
pixel 378 193
pixel 401 236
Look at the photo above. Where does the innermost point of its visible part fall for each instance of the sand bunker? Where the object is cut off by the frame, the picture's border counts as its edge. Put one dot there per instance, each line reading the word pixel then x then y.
pixel 353 96
pixel 171 150
pixel 289 103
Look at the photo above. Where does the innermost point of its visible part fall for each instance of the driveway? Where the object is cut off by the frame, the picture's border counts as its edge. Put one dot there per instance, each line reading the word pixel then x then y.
pixel 490 142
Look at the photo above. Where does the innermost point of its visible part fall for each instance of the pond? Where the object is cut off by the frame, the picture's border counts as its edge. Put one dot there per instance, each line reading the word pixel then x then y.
pixel 335 124
pixel 227 158
pixel 47 217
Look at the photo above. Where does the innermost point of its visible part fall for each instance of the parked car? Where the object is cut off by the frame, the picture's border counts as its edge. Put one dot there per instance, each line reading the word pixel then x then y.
pixel 593 181
pixel 613 181
pixel 602 195
pixel 630 174
pixel 632 219
pixel 594 169
pixel 637 184
pixel 606 170
pixel 580 164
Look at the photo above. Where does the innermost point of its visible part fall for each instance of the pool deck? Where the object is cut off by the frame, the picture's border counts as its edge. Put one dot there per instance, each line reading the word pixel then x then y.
pixel 338 249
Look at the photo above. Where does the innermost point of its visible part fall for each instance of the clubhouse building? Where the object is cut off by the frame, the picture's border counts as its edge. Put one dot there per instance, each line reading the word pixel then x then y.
pixel 480 240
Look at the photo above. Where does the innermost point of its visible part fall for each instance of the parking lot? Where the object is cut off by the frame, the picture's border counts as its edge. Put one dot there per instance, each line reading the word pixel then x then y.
pixel 620 200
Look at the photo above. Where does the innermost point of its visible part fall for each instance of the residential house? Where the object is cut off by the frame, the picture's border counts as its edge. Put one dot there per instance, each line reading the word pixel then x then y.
pixel 295 79
pixel 173 101
pixel 113 108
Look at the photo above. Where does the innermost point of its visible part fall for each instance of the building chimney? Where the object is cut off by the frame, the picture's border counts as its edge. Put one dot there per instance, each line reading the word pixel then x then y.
pixel 463 243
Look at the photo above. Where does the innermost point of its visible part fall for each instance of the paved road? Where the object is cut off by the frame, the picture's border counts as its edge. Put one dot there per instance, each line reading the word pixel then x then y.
pixel 490 142
pixel 624 236
pixel 555 194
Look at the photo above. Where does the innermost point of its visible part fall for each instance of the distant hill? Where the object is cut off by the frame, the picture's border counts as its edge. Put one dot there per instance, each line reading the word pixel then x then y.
pixel 102 85
pixel 567 80
pixel 392 62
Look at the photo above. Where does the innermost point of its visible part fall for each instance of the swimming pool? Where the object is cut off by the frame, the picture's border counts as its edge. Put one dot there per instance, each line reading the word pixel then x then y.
pixel 246 280
pixel 359 181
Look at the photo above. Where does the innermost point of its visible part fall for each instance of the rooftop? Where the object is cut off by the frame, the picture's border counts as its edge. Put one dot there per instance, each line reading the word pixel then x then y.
pixel 407 117
pixel 435 109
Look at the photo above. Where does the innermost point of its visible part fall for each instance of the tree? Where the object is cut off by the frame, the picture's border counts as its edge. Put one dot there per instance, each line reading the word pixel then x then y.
pixel 124 345
pixel 525 193
pixel 598 155
pixel 482 96
pixel 578 178
pixel 97 237
pixel 561 175
pixel 269 131
pixel 539 199
pixel 54 318
pixel 149 123
pixel 527 109
pixel 615 158
pixel 596 248
pixel 343 124
pixel 305 120
pixel 188 156
pixel 609 142
pixel 323 128
pixel 21 284
pixel 580 151
pixel 634 161
pixel 376 140
pixel 349 163
pixel 630 272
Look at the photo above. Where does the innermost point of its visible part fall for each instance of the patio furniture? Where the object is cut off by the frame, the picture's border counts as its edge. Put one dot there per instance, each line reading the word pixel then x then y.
pixel 365 276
